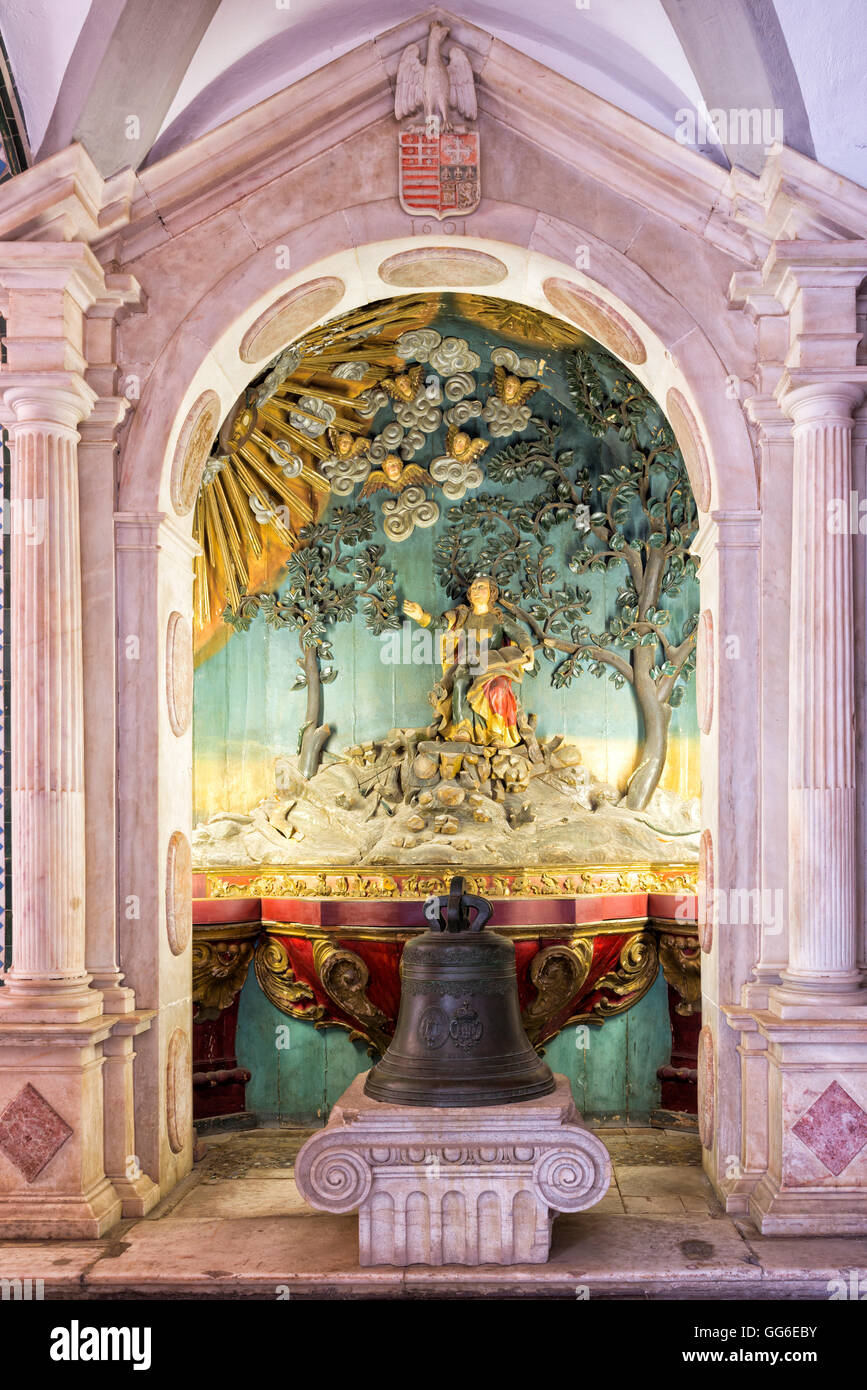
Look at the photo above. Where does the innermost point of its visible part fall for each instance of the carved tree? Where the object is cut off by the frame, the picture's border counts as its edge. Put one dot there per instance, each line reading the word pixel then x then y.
pixel 312 600
pixel 638 514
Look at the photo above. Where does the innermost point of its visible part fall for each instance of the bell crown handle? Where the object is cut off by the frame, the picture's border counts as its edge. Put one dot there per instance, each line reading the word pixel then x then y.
pixel 452 913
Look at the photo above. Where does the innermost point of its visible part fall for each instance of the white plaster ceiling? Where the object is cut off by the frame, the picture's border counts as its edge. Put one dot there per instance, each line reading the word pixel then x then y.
pixel 39 36
pixel 633 53
pixel 828 46
pixel 623 50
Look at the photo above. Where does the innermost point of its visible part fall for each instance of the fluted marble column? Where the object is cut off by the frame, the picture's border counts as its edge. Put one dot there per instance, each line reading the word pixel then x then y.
pixel 48 973
pixel 822 965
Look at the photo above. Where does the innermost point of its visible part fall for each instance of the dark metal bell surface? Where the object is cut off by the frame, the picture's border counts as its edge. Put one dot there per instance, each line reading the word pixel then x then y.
pixel 459 1038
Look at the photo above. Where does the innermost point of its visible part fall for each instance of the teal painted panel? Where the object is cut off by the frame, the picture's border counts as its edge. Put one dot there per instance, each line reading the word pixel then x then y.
pixel 255 1045
pixel 288 1081
pixel 605 1060
pixel 648 1046
pixel 344 1059
pixel 567 1055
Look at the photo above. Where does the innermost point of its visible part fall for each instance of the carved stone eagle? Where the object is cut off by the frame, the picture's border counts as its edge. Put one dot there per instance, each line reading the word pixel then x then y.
pixel 435 86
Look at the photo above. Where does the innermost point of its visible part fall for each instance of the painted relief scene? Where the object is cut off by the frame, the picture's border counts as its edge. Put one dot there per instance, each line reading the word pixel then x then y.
pixel 445 608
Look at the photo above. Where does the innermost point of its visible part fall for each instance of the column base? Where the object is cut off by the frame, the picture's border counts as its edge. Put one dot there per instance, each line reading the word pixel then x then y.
pixel 787 1002
pixel 778 1212
pixel 735 1193
pixel 52 1168
pixel 55 1216
pixel 45 1001
pixel 815 1181
pixel 469 1186
pixel 116 998
pixel 138 1195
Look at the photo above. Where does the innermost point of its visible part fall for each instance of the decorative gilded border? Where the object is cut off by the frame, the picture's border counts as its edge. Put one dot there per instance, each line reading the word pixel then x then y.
pixel 495 882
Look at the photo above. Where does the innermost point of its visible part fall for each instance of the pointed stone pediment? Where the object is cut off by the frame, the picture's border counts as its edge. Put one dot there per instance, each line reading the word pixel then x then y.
pixel 534 124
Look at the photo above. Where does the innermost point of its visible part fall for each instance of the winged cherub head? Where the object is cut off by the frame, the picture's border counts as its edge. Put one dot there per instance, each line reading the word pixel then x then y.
pixel 396 476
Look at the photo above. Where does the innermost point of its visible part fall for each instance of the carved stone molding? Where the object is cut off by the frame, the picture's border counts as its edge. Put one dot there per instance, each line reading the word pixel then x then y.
pixel 179 673
pixel 442 265
pixel 705 671
pixel 706 1087
pixel 179 1090
pixel 192 449
pixel 290 316
pixel 706 891
pixel 596 318
pixel 692 446
pixel 179 893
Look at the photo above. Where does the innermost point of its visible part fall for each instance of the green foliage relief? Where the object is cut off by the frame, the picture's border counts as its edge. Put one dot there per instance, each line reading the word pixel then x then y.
pixel 594 486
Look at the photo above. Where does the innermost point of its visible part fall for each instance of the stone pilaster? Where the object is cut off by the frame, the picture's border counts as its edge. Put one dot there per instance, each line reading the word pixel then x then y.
pixel 822 961
pixel 54 1025
pixel 47 733
pixel 804 1040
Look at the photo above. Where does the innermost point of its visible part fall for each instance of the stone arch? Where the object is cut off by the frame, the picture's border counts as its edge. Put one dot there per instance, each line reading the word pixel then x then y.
pixel 201 354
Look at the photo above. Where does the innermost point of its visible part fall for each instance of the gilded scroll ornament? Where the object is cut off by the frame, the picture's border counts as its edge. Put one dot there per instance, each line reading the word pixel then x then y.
pixel 399 883
pixel 680 962
pixel 558 973
pixel 345 978
pixel 278 983
pixel 219 970
pixel 630 981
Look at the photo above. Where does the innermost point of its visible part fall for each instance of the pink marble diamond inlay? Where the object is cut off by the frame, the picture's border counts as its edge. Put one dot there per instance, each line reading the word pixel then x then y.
pixel 31 1132
pixel 834 1128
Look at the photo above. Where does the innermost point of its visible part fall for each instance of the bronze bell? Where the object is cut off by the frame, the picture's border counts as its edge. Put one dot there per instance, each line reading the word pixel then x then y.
pixel 459 1038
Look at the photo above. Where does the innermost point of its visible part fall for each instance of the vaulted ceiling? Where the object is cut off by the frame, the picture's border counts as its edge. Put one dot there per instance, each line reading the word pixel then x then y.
pixel 137 79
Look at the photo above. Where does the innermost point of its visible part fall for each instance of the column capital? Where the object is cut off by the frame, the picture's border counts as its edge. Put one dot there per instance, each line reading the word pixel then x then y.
pixel 823 399
pixel 48 399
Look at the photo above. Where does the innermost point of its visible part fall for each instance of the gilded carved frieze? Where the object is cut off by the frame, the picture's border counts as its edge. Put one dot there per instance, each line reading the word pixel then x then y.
pixel 492 883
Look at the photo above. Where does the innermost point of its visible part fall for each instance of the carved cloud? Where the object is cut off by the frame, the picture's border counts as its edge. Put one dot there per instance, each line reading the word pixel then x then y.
pixel 402 514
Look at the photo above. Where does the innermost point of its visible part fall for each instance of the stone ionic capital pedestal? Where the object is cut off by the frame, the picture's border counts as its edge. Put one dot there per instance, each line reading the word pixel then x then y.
pixel 454 1186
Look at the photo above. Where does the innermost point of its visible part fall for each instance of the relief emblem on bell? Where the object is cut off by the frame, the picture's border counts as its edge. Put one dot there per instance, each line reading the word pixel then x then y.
pixel 433 1027
pixel 469 1048
pixel 466 1028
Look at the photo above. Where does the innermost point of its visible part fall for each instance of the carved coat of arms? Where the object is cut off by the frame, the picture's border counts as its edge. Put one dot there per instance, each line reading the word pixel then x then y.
pixel 439 160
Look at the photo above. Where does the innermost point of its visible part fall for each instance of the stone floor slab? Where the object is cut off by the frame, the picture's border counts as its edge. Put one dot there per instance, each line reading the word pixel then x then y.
pixel 652 1180
pixel 249 1196
pixel 214 1255
pixel 61 1265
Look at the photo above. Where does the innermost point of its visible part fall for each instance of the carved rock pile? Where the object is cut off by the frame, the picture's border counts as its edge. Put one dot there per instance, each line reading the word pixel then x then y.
pixel 411 798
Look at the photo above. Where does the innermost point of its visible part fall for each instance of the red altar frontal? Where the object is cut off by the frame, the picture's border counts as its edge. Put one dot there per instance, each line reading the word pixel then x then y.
pixel 326 949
